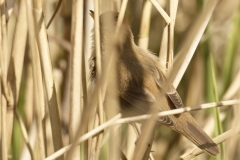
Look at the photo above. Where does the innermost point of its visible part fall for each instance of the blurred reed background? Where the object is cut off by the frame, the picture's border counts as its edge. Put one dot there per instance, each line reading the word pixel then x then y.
pixel 44 74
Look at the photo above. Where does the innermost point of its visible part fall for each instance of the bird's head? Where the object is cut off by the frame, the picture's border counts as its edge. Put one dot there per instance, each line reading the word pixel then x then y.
pixel 108 22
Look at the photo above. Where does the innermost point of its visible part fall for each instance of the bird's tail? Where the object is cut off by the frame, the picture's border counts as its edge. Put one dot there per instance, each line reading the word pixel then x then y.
pixel 187 126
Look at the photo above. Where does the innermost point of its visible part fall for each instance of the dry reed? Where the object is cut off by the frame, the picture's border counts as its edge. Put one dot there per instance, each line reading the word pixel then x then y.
pixel 192 33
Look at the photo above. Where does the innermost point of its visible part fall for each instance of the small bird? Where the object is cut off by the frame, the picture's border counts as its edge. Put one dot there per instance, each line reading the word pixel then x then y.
pixel 141 80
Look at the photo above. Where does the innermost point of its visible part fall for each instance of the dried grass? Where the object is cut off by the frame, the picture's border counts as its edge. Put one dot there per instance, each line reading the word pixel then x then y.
pixel 70 122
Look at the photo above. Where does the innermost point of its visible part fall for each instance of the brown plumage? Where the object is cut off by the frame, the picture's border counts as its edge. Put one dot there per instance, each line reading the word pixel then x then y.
pixel 141 80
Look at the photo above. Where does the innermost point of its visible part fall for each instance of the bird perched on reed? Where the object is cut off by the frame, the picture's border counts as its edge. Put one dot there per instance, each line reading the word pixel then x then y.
pixel 141 80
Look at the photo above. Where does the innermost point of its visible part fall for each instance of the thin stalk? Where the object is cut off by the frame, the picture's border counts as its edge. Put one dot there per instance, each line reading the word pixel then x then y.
pixel 4 146
pixel 163 52
pixel 112 87
pixel 181 110
pixel 18 50
pixel 218 126
pixel 145 25
pixel 4 61
pixel 143 146
pixel 76 73
pixel 54 14
pixel 172 11
pixel 7 105
pixel 84 94
pixel 95 146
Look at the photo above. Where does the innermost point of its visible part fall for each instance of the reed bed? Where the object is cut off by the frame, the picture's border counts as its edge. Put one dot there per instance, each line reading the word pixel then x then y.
pixel 48 112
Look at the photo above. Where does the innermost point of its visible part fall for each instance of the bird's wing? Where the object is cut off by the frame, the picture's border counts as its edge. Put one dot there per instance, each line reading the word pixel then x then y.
pixel 137 100
pixel 167 88
pixel 174 97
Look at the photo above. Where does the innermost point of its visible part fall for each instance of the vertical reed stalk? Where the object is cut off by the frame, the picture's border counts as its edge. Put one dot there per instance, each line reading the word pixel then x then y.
pixel 145 25
pixel 7 111
pixel 76 103
pixel 46 66
pixel 216 111
pixel 39 100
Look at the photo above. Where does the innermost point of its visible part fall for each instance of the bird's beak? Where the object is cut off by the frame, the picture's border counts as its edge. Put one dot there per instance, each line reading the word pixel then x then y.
pixel 91 14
